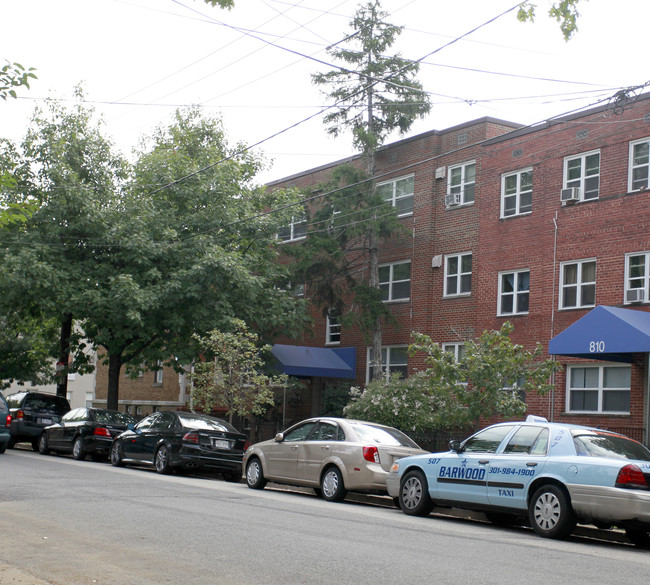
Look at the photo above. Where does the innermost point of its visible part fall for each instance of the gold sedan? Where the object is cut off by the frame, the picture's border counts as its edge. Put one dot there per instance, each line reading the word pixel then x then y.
pixel 330 455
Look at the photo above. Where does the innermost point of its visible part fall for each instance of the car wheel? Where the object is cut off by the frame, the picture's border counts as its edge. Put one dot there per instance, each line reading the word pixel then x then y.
pixel 331 485
pixel 161 460
pixel 254 475
pixel 550 512
pixel 638 536
pixel 414 494
pixel 3 448
pixel 117 454
pixel 43 446
pixel 232 476
pixel 35 444
pixel 12 443
pixel 78 449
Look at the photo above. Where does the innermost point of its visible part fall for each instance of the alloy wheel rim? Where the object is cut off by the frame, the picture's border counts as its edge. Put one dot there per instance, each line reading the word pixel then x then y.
pixel 76 448
pixel 411 493
pixel 161 458
pixel 547 511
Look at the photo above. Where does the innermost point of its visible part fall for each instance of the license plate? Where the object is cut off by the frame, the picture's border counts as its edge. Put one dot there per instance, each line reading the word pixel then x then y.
pixel 220 444
pixel 45 421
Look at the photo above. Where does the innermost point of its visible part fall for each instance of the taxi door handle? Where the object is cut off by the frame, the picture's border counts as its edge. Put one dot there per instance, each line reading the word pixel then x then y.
pixel 484 462
pixel 531 464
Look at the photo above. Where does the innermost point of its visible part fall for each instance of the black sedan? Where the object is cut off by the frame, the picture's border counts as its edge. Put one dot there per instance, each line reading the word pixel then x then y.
pixel 182 440
pixel 85 431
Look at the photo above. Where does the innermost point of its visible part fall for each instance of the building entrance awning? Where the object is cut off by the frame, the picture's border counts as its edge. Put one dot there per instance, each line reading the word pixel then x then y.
pixel 324 362
pixel 605 333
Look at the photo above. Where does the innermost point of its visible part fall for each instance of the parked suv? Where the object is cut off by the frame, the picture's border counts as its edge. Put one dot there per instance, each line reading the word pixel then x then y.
pixel 5 419
pixel 31 412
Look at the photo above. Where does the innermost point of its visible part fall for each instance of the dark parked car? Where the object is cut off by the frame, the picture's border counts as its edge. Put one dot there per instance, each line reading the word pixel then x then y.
pixel 85 431
pixel 5 421
pixel 184 440
pixel 31 412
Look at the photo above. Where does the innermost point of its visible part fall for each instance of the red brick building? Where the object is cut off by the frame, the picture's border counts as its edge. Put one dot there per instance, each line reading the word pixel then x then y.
pixel 543 226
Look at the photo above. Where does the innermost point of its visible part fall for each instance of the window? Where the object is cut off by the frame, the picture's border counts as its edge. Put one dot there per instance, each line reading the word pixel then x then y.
pixel 639 165
pixel 158 374
pixel 394 360
pixel 488 440
pixel 395 281
pixel 89 398
pixel 296 230
pixel 457 349
pixel 599 389
pixel 577 284
pixel 637 277
pixel 333 329
pixel 458 274
pixel 300 432
pixel 399 193
pixel 517 193
pixel 462 179
pixel 583 172
pixel 514 288
pixel 528 441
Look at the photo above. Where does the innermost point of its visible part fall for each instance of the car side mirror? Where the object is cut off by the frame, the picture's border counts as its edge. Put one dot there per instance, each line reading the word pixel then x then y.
pixel 455 446
pixel 279 438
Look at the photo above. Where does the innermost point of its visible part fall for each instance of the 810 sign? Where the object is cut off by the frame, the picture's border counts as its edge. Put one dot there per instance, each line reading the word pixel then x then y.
pixel 596 347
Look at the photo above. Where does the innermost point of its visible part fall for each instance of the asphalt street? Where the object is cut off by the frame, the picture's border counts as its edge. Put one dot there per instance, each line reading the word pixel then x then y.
pixel 65 522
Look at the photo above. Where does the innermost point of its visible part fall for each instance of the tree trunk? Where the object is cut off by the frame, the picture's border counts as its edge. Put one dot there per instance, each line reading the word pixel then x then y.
pixel 114 367
pixel 64 355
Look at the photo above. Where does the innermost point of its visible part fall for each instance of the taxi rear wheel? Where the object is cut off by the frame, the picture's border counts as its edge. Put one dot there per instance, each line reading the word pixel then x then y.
pixel 550 512
pixel 414 494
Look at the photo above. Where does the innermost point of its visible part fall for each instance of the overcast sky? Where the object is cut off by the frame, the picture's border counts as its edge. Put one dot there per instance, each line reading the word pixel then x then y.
pixel 140 59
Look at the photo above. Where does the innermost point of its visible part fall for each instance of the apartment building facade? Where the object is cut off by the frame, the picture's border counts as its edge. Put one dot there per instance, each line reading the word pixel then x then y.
pixel 545 226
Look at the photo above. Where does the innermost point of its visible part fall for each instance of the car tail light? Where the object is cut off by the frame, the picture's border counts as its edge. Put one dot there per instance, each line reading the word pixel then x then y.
pixel 8 420
pixel 631 476
pixel 20 415
pixel 101 432
pixel 371 454
pixel 191 438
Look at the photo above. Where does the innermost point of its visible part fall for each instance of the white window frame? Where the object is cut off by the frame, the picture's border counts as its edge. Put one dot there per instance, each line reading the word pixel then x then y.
pixel 391 282
pixel 637 184
pixel 580 182
pixel 464 184
pixel 459 274
pixel 579 284
pixel 158 374
pixel 645 277
pixel 517 194
pixel 395 199
pixel 295 234
pixel 600 389
pixel 515 293
pixel 332 330
pixel 387 363
pixel 456 349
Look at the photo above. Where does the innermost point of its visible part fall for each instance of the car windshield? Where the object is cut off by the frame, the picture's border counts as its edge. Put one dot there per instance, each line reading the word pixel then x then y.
pixel 205 423
pixel 112 417
pixel 383 436
pixel 607 445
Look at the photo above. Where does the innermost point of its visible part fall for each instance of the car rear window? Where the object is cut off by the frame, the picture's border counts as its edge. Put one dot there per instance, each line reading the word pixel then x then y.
pixel 383 436
pixel 206 423
pixel 56 404
pixel 111 417
pixel 607 445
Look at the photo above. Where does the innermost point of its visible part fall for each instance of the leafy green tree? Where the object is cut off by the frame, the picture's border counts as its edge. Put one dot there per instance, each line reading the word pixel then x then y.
pixel 232 373
pixel 565 12
pixel 492 379
pixel 375 96
pixel 12 76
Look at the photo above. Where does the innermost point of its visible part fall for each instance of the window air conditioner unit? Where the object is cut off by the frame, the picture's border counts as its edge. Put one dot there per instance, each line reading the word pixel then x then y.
pixel 635 295
pixel 452 199
pixel 570 194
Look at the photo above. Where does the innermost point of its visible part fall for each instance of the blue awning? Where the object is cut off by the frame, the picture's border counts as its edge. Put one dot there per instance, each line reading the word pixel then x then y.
pixel 324 362
pixel 605 333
